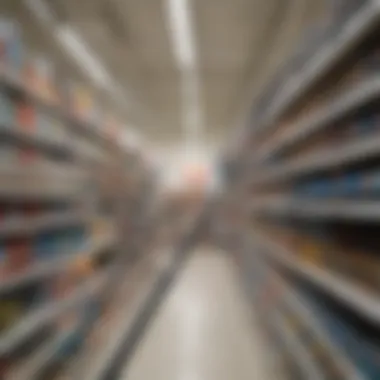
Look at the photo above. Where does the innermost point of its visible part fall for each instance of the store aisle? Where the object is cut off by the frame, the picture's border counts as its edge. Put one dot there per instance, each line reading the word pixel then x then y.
pixel 203 330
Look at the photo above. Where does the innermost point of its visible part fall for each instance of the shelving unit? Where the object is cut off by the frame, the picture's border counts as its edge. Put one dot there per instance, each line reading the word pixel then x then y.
pixel 349 210
pixel 67 241
pixel 312 198
pixel 353 31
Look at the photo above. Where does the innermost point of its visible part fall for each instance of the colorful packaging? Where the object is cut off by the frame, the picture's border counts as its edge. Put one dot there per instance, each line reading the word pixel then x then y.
pixel 26 117
pixel 40 77
pixel 82 266
pixel 363 352
pixel 81 101
pixel 45 246
pixel 11 46
pixel 19 255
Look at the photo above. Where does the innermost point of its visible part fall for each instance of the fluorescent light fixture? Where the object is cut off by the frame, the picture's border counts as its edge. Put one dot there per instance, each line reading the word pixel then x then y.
pixel 179 23
pixel 81 53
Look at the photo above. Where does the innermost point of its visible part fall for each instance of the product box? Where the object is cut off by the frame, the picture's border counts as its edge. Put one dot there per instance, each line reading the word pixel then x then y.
pixel 11 45
pixel 81 101
pixel 19 254
pixel 39 75
pixel 26 117
pixel 46 246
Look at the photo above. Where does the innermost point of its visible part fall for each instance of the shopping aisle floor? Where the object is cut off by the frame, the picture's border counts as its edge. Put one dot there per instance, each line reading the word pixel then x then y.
pixel 203 330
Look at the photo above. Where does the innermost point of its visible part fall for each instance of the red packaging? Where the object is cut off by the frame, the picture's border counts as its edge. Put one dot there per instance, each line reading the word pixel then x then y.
pixel 27 156
pixel 26 117
pixel 19 255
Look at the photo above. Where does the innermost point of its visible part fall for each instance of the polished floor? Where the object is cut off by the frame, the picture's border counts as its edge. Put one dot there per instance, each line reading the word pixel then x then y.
pixel 203 331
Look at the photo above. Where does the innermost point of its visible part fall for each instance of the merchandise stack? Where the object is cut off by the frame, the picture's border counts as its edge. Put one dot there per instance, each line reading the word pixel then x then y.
pixel 64 226
pixel 313 263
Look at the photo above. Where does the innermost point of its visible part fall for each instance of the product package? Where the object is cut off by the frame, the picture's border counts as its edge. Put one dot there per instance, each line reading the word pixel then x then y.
pixel 11 46
pixel 39 74
pixel 19 255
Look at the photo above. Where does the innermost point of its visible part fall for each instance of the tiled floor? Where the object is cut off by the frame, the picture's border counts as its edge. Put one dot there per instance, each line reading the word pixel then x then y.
pixel 203 330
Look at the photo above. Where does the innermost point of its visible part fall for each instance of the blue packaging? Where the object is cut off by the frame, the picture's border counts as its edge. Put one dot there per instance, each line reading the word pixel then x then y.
pixel 45 246
pixel 349 184
pixel 12 45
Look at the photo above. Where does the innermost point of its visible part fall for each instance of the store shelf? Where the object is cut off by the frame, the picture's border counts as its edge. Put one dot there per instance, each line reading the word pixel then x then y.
pixel 301 356
pixel 15 83
pixel 326 159
pixel 314 169
pixel 358 97
pixel 356 29
pixel 123 328
pixel 53 266
pixel 42 182
pixel 348 370
pixel 113 328
pixel 14 134
pixel 34 320
pixel 32 367
pixel 360 210
pixel 363 302
pixel 29 226
pixel 40 171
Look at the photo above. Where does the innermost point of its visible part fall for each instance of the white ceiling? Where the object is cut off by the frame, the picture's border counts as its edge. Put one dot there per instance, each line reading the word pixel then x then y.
pixel 239 44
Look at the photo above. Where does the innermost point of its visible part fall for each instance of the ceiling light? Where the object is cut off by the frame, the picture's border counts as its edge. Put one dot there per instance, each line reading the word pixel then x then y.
pixel 81 53
pixel 179 20
pixel 179 23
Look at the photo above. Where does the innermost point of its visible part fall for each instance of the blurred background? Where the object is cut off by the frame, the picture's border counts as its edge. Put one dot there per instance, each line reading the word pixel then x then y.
pixel 189 189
